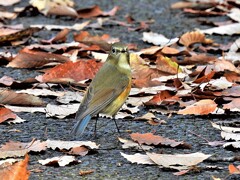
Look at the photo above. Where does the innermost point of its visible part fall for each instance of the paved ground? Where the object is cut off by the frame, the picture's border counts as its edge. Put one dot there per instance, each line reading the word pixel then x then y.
pixel 107 163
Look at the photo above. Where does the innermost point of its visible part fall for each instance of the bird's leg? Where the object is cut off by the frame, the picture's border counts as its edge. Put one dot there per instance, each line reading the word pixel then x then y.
pixel 116 125
pixel 95 129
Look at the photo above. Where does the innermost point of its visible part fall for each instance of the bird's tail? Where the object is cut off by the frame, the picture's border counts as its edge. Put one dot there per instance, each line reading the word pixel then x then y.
pixel 80 126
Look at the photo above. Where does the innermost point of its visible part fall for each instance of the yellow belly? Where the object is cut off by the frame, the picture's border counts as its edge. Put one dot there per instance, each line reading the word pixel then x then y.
pixel 114 106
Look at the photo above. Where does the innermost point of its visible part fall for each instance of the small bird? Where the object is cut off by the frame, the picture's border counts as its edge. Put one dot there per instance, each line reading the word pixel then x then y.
pixel 108 90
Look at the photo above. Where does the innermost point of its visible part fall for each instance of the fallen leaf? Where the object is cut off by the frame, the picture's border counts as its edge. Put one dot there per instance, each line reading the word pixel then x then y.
pixel 26 109
pixel 232 144
pixel 226 128
pixel 234 105
pixel 138 158
pixel 13 98
pixel 19 35
pixel 167 65
pixel 158 39
pixel 6 114
pixel 9 2
pixel 84 173
pixel 59 161
pixel 150 139
pixel 95 11
pixel 34 59
pixel 60 37
pixel 17 149
pixel 61 111
pixel 17 171
pixel 193 37
pixel 220 84
pixel 54 144
pixel 230 136
pixel 230 29
pixel 202 107
pixel 82 151
pixel 233 91
pixel 76 27
pixel 178 161
pixel 234 14
pixel 233 170
pixel 71 72
pixel 160 97
pixel 131 144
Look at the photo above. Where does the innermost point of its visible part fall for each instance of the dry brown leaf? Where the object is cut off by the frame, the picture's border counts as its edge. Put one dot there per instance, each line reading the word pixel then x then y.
pixel 101 42
pixel 160 97
pixel 234 105
pixel 222 65
pixel 59 161
pixel 16 149
pixel 193 37
pixel 202 107
pixel 204 12
pixel 82 151
pixel 17 171
pixel 19 35
pixel 233 169
pixel 6 114
pixel 233 91
pixel 149 138
pixel 142 73
pixel 60 37
pixel 13 98
pixel 95 11
pixel 232 76
pixel 33 59
pixel 167 65
pixel 71 72
pixel 84 173
pixel 178 161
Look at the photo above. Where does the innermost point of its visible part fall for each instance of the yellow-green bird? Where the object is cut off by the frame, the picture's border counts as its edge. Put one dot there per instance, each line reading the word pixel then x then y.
pixel 108 90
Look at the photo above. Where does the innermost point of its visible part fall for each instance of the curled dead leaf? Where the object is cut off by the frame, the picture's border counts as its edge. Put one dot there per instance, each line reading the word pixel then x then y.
pixel 193 37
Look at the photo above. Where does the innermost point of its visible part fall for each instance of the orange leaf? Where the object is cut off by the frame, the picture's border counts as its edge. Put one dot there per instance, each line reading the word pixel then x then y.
pixel 202 107
pixel 193 37
pixel 149 138
pixel 17 171
pixel 72 72
pixel 160 97
pixel 6 114
pixel 32 59
pixel 233 170
pixel 13 98
pixel 95 11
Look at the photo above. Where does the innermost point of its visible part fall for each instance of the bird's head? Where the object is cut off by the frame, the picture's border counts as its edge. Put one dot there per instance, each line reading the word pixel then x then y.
pixel 120 55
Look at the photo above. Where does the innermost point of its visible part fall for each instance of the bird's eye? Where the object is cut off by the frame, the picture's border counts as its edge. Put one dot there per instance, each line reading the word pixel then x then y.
pixel 114 51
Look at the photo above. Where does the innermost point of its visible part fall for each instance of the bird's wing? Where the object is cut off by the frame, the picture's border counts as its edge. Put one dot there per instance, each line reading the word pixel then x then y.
pixel 102 92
